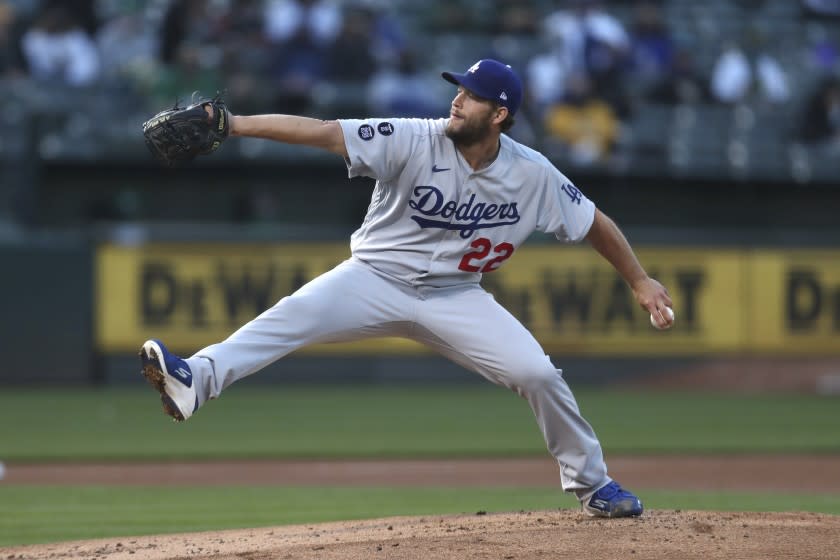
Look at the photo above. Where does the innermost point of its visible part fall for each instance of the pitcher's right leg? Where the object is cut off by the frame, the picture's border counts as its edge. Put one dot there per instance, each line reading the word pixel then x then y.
pixel 350 302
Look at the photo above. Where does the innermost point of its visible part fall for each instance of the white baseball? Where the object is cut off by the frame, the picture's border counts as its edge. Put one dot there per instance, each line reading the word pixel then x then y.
pixel 668 311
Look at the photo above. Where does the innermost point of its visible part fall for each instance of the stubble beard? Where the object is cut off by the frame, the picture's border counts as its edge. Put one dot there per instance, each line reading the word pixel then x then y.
pixel 470 133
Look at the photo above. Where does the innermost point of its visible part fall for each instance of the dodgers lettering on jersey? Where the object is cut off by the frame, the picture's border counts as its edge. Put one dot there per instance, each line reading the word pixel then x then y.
pixel 433 220
pixel 467 217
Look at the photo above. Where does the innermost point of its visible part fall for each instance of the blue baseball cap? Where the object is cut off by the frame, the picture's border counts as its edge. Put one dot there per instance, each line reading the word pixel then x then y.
pixel 492 80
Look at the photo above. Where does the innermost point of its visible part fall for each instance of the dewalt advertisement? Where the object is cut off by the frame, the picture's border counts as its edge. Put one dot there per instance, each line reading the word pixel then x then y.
pixel 726 300
pixel 795 302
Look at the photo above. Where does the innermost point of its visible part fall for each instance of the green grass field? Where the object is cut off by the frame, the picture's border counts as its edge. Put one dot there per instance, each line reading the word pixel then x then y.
pixel 376 421
pixel 398 421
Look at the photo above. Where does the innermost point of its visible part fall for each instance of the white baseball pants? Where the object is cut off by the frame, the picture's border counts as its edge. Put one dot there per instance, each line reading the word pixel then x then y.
pixel 464 323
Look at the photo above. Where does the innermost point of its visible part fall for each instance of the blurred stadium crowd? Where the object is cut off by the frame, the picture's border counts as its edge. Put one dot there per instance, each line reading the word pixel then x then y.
pixel 713 88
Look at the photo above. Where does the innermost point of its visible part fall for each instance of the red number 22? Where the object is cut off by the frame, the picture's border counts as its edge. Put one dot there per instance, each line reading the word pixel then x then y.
pixel 503 250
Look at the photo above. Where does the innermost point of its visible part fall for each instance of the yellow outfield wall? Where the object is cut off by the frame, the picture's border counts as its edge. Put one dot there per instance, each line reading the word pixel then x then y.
pixel 726 300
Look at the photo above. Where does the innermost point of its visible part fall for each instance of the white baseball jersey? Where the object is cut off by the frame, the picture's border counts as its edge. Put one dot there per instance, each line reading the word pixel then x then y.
pixel 433 227
pixel 433 220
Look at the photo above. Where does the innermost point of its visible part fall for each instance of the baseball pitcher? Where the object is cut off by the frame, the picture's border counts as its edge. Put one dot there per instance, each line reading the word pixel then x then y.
pixel 454 199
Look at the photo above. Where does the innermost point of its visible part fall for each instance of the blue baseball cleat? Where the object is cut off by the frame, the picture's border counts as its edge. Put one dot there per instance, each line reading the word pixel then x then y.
pixel 171 377
pixel 613 501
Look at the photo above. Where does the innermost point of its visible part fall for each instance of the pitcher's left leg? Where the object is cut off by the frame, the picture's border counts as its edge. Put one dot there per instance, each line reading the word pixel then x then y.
pixel 486 338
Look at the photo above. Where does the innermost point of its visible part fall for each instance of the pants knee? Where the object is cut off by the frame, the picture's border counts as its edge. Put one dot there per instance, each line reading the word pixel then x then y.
pixel 536 377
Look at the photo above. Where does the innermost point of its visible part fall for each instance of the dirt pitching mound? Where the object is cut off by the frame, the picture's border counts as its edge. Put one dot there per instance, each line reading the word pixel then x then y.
pixel 663 534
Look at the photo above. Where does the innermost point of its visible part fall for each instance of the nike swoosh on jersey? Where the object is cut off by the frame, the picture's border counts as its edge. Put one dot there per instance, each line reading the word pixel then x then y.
pixel 436 169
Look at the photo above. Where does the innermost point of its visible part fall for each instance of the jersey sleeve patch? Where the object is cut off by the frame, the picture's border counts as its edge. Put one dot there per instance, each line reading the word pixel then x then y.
pixel 385 128
pixel 366 132
pixel 380 148
pixel 573 192
pixel 564 210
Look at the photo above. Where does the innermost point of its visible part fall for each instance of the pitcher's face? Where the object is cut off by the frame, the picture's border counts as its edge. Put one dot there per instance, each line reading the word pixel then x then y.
pixel 470 117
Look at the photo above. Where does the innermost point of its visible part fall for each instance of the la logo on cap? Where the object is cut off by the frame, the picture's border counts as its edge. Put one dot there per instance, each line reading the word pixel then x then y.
pixel 474 68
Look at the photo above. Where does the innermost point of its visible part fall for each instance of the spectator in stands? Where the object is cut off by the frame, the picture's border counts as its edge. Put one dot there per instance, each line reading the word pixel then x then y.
pixel 652 48
pixel 244 21
pixel 585 125
pixel 515 28
pixel 388 39
pixel 682 84
pixel 351 54
pixel 241 30
pixel 318 21
pixel 192 70
pixel 546 76
pixel 731 75
pixel 188 21
pixel 823 50
pixel 405 91
pixel 58 50
pixel 127 48
pixel 245 58
pixel 821 121
pixel 191 52
pixel 300 33
pixel 596 45
pixel 744 73
pixel 591 37
pixel 11 60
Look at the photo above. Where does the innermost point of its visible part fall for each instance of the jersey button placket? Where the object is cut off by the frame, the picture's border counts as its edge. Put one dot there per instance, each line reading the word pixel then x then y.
pixel 466 191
